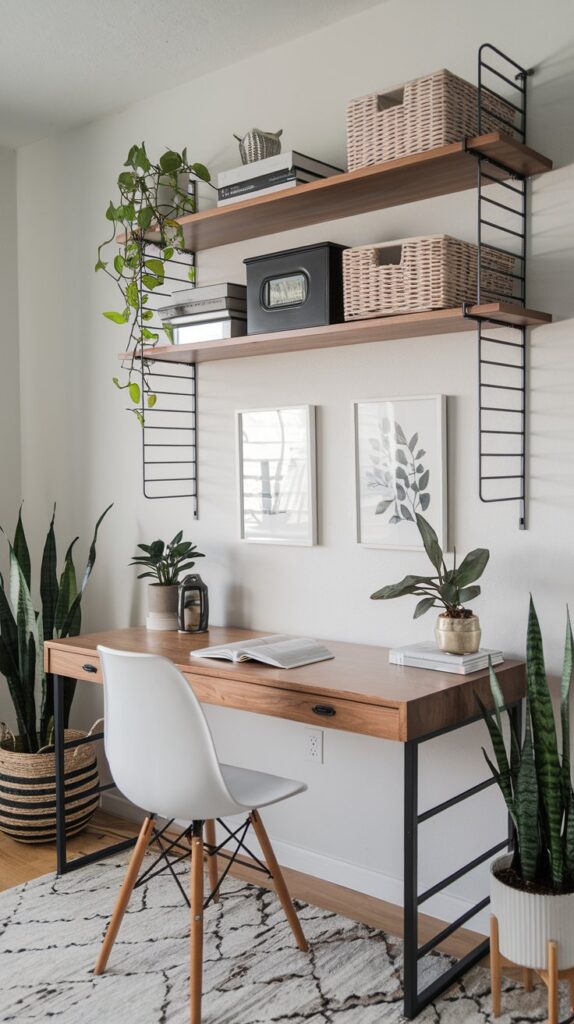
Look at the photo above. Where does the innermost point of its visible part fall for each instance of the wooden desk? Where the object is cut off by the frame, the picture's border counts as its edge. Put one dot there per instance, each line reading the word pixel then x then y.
pixel 358 691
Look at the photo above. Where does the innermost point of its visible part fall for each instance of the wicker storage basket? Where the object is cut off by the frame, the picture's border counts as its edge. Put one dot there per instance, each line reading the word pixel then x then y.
pixel 427 112
pixel 416 274
pixel 28 791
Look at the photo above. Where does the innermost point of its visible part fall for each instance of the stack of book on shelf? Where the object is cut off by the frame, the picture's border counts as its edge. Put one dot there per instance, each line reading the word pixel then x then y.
pixel 428 655
pixel 209 313
pixel 286 170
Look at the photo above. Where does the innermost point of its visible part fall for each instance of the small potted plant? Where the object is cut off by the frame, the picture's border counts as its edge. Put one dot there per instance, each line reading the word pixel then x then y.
pixel 457 629
pixel 145 236
pixel 165 563
pixel 532 889
pixel 27 760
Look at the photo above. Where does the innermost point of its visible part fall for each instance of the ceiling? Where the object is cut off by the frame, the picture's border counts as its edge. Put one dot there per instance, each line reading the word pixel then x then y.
pixel 65 62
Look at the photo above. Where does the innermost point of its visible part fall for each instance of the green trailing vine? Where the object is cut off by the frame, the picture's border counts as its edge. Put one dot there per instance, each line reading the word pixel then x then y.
pixel 151 197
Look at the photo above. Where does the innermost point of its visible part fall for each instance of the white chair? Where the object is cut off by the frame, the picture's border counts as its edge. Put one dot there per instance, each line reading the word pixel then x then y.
pixel 163 759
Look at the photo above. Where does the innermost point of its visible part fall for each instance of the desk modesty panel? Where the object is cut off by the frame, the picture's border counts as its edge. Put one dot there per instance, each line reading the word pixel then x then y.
pixel 357 691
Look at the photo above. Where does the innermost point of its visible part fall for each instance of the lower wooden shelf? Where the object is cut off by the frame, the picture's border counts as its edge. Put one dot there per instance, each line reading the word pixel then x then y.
pixel 390 328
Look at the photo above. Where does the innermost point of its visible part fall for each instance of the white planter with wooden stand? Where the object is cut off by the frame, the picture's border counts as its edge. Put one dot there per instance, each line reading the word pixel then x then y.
pixel 534 931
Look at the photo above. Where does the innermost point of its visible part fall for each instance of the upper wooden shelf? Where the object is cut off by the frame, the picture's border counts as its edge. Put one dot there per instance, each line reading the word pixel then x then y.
pixel 436 172
pixel 390 328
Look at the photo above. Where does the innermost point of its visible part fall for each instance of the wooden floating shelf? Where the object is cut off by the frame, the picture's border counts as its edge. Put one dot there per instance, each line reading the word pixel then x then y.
pixel 436 172
pixel 390 328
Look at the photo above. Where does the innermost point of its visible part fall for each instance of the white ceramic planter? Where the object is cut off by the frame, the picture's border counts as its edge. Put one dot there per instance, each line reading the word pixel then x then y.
pixel 162 606
pixel 527 922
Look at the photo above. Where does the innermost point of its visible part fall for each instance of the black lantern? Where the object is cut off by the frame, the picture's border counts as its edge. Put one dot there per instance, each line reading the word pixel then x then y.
pixel 193 607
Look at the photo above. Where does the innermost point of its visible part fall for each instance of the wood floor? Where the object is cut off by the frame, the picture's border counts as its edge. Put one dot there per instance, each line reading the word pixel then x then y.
pixel 21 863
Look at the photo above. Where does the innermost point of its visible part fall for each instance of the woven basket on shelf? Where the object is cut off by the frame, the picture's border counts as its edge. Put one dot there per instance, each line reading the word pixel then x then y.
pixel 416 274
pixel 28 791
pixel 419 115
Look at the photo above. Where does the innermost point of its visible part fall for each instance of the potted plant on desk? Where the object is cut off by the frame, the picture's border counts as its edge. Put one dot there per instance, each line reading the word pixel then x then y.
pixel 532 889
pixel 457 629
pixel 27 760
pixel 165 563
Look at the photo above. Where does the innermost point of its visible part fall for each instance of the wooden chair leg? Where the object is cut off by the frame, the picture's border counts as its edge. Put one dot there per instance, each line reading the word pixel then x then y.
pixel 125 893
pixel 495 973
pixel 280 884
pixel 552 983
pixel 196 931
pixel 527 979
pixel 211 859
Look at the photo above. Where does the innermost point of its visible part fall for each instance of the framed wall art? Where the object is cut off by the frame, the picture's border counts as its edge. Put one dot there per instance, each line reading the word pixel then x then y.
pixel 400 469
pixel 277 475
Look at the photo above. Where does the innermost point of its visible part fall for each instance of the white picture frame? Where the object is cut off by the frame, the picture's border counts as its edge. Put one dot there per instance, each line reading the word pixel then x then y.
pixel 277 478
pixel 384 456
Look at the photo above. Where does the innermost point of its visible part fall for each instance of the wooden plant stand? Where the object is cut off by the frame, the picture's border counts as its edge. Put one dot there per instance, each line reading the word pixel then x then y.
pixel 550 977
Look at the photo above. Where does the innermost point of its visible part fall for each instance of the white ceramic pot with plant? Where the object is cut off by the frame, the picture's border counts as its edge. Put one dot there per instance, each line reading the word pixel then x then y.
pixel 164 563
pixel 457 629
pixel 532 889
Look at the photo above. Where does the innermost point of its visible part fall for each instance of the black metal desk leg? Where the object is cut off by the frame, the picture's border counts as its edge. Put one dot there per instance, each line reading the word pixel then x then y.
pixel 58 683
pixel 410 955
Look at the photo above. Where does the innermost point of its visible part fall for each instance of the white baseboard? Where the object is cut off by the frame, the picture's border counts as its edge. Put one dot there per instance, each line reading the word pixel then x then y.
pixel 332 869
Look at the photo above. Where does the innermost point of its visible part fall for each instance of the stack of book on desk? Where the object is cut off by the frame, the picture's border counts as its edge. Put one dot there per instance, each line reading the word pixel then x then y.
pixel 274 174
pixel 428 655
pixel 208 313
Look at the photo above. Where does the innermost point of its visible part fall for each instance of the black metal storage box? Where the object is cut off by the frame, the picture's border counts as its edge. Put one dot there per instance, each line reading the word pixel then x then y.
pixel 296 288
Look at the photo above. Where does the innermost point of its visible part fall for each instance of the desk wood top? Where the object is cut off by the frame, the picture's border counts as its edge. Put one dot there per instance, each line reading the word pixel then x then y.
pixel 422 701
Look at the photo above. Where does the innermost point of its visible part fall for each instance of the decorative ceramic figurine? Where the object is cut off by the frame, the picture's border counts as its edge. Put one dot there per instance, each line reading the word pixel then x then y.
pixel 258 145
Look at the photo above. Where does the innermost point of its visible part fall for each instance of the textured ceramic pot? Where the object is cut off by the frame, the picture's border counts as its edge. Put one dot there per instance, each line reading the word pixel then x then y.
pixel 527 922
pixel 458 636
pixel 162 606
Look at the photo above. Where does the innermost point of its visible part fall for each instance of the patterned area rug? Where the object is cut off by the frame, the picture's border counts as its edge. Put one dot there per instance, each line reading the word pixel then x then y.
pixel 51 929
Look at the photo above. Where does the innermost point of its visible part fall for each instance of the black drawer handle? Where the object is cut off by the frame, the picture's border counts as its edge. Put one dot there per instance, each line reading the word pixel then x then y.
pixel 89 668
pixel 326 710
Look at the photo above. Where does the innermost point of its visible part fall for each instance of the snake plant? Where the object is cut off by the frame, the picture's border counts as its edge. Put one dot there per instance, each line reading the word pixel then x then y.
pixel 24 630
pixel 534 774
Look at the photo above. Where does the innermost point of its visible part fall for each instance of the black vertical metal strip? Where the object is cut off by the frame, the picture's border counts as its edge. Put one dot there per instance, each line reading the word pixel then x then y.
pixel 61 861
pixel 410 969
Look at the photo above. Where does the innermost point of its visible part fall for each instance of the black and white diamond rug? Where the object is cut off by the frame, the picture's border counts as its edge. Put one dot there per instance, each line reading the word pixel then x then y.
pixel 51 930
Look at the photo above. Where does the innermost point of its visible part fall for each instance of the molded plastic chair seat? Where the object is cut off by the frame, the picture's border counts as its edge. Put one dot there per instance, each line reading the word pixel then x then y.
pixel 258 789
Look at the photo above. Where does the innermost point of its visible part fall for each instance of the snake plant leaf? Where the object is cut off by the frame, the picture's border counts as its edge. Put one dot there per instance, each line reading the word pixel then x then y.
pixel 49 581
pixel 503 776
pixel 21 551
pixel 527 810
pixel 545 747
pixel 496 775
pixel 73 610
pixel 565 687
pixel 68 589
pixel 430 541
pixel 472 567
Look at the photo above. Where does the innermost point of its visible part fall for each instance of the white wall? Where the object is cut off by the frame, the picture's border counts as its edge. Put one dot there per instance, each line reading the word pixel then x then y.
pixel 79 446
pixel 9 370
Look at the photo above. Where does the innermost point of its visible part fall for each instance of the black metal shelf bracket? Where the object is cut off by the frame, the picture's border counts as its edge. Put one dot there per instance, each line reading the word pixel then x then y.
pixel 502 198
pixel 169 427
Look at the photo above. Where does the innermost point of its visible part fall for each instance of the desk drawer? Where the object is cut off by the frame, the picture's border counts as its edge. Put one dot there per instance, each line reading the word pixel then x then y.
pixel 324 713
pixel 74 665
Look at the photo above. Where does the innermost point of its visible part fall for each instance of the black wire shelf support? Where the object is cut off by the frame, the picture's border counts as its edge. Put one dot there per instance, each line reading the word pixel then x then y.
pixel 168 391
pixel 501 227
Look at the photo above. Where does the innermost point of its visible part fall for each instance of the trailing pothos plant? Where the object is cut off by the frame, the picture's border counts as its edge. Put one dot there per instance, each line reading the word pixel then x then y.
pixel 449 589
pixel 534 774
pixel 23 630
pixel 151 196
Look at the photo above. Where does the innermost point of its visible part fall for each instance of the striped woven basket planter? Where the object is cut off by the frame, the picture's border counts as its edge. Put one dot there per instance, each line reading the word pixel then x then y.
pixel 28 791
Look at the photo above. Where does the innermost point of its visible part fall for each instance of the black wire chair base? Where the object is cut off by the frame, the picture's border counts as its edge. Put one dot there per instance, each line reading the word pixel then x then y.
pixel 173 852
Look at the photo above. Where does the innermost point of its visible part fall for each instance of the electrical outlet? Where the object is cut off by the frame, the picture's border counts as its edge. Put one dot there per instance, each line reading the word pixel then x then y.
pixel 314 745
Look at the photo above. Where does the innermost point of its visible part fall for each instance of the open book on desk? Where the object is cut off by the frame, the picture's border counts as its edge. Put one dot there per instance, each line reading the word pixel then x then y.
pixel 279 650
